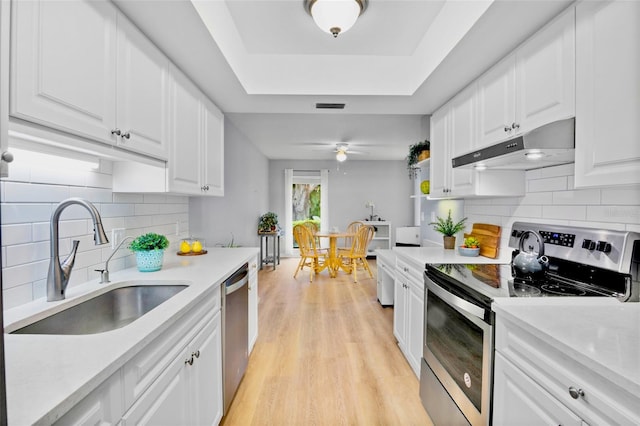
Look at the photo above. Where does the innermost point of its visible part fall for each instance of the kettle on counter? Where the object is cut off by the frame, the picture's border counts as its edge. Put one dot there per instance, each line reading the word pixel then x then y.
pixel 529 263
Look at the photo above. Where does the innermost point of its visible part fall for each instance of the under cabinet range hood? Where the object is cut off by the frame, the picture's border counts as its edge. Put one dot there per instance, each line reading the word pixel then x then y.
pixel 548 145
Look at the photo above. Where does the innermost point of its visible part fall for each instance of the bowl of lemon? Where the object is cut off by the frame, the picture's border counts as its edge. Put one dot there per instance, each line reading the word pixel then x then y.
pixel 192 247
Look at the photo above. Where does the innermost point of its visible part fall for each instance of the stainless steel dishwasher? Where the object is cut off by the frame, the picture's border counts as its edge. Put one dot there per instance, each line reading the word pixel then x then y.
pixel 235 332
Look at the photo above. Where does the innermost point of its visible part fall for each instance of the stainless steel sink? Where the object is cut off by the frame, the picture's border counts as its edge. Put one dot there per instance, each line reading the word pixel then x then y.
pixel 108 311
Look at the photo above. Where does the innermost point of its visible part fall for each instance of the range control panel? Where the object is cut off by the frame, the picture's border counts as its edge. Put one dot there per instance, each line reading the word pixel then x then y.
pixel 558 238
pixel 608 249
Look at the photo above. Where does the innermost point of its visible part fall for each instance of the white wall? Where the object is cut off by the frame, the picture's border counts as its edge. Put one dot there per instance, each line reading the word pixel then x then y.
pixel 351 185
pixel 30 195
pixel 246 174
pixel 552 198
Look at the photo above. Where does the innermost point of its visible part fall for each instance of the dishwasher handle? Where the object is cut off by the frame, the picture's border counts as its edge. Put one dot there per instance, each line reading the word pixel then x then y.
pixel 236 281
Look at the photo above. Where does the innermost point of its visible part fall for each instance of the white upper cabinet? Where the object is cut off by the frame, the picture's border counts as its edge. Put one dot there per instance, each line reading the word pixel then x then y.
pixel 463 121
pixel 533 86
pixel 63 65
pixel 83 68
pixel 185 163
pixel 213 149
pixel 607 93
pixel 438 162
pixel 496 102
pixel 142 93
pixel 196 163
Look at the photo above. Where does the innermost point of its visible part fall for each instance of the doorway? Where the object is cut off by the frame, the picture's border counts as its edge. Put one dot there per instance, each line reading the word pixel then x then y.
pixel 306 198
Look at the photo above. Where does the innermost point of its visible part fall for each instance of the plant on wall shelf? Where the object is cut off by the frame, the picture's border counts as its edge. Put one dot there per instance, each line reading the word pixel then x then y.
pixel 413 158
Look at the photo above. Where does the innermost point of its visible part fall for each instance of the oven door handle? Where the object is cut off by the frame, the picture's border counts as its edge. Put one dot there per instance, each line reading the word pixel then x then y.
pixel 455 301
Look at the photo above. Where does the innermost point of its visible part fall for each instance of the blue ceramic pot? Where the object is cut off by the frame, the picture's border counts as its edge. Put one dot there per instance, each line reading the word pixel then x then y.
pixel 149 261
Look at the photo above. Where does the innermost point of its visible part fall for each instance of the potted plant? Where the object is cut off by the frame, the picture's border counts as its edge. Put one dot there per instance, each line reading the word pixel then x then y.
pixel 417 152
pixel 448 229
pixel 149 249
pixel 268 222
pixel 471 247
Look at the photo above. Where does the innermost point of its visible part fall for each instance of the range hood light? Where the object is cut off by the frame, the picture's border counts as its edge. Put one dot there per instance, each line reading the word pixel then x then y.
pixel 480 167
pixel 534 155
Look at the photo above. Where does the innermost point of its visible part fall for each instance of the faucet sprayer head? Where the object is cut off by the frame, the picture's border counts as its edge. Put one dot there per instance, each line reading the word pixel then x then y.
pixel 99 236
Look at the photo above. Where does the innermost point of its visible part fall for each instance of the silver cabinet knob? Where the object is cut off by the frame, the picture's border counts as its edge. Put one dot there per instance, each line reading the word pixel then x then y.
pixel 507 128
pixel 576 393
pixel 515 126
pixel 116 132
pixel 189 361
pixel 196 354
pixel 7 157
pixel 126 135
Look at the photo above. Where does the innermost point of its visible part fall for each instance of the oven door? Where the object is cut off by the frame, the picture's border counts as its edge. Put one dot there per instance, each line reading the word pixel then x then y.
pixel 458 346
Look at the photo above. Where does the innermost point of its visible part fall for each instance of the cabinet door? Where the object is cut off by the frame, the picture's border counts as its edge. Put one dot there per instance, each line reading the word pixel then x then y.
pixel 496 102
pixel 518 400
pixel 546 74
pixel 415 326
pixel 102 407
pixel 167 399
pixel 253 304
pixel 213 150
pixel 607 93
pixel 142 93
pixel 63 63
pixel 438 169
pixel 205 375
pixel 399 310
pixel 463 121
pixel 185 161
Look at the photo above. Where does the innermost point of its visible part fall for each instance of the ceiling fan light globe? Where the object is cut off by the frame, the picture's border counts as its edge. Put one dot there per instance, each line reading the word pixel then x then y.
pixel 335 16
pixel 341 156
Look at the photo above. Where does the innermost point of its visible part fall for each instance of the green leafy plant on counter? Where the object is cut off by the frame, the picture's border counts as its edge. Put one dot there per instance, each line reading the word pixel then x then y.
pixel 149 241
pixel 447 227
pixel 471 242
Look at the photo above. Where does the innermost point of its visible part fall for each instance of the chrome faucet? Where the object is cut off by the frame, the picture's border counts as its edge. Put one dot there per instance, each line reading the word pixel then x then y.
pixel 59 273
pixel 104 273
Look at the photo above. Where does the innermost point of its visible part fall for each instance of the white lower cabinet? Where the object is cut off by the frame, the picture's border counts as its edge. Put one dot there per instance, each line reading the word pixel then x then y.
pixel 102 407
pixel 518 400
pixel 186 393
pixel 408 312
pixel 537 382
pixel 253 303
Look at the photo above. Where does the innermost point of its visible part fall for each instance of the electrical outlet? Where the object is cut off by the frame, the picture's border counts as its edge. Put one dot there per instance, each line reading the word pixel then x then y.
pixel 117 234
pixel 433 216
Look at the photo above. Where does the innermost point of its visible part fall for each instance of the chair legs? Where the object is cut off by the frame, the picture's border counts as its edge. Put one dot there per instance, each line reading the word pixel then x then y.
pixel 311 263
pixel 354 267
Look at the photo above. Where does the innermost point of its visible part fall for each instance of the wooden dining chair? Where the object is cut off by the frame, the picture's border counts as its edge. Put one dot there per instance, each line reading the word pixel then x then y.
pixel 352 228
pixel 313 227
pixel 310 255
pixel 356 256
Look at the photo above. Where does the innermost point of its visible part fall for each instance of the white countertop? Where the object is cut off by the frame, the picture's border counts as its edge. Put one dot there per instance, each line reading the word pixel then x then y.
pixel 48 374
pixel 602 334
pixel 424 255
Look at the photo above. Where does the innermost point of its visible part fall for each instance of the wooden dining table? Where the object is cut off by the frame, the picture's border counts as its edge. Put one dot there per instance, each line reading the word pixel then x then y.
pixel 334 263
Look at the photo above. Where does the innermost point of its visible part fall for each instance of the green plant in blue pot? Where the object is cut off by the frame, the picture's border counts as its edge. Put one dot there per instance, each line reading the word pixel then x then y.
pixel 149 249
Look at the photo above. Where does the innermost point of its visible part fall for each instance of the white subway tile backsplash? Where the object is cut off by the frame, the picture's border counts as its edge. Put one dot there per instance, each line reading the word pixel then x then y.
pixel 29 198
pixel 16 234
pixel 547 184
pixel 621 196
pixel 580 196
pixel 25 213
pixel 615 214
pixel 537 198
pixel 564 212
pixel 527 210
pixel 17 192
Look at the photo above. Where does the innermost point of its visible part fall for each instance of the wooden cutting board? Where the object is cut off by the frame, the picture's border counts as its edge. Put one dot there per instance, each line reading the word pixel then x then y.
pixel 489 237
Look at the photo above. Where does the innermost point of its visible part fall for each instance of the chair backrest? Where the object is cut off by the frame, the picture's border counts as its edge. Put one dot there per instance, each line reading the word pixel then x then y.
pixel 305 239
pixel 363 237
pixel 352 228
pixel 311 226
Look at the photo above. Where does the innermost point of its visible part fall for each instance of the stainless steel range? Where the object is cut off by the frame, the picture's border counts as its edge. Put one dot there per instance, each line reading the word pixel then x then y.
pixel 548 261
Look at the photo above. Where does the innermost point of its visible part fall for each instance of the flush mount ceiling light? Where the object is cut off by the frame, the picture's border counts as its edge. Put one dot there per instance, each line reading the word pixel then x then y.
pixel 335 16
pixel 341 153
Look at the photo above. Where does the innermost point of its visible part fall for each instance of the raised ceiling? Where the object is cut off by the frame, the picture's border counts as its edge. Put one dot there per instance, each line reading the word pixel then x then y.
pixel 402 57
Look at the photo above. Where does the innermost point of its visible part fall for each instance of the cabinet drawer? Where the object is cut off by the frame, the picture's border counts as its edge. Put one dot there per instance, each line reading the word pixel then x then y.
pixel 144 368
pixel 604 402
pixel 411 271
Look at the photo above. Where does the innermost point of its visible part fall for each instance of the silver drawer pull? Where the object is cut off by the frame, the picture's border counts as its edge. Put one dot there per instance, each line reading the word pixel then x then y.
pixel 576 393
pixel 196 354
pixel 189 361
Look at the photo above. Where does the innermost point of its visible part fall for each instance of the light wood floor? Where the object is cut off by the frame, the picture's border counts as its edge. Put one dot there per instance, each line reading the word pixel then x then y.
pixel 325 355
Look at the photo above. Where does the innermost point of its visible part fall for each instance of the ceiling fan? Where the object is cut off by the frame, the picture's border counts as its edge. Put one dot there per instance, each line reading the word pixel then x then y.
pixel 341 151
